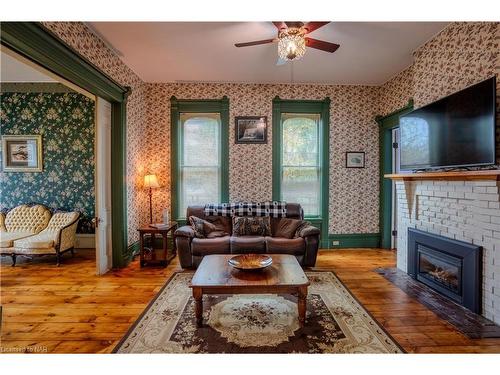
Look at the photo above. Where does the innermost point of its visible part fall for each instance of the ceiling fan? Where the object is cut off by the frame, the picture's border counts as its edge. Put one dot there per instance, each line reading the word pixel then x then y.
pixel 292 40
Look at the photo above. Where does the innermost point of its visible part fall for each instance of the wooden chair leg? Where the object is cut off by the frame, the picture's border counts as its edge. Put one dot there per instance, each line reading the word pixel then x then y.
pixel 58 257
pixel 14 256
pixel 73 252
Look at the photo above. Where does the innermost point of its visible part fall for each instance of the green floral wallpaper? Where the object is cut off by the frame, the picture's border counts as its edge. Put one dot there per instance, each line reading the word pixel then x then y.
pixel 66 123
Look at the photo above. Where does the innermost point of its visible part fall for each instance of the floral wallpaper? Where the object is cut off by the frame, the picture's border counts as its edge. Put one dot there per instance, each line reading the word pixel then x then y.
pixel 395 93
pixel 353 192
pixel 461 54
pixel 66 123
pixel 87 44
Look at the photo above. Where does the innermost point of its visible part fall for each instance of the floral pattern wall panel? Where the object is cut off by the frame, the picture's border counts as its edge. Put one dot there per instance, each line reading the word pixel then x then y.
pixel 353 206
pixel 86 43
pixel 66 123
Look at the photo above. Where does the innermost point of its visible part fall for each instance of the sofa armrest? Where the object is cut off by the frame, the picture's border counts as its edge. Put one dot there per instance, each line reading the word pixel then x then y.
pixel 183 237
pixel 311 236
pixel 308 230
pixel 67 237
pixel 184 231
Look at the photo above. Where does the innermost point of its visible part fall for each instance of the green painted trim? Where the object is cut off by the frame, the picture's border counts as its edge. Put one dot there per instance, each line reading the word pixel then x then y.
pixel 354 240
pixel 121 256
pixel 36 43
pixel 321 107
pixel 178 106
pixel 40 45
pixel 386 124
pixel 133 249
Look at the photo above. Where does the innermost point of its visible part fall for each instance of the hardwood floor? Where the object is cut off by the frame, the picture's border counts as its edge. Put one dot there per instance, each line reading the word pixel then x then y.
pixel 69 309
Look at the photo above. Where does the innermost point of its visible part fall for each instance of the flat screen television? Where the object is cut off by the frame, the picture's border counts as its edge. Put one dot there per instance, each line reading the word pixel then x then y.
pixel 455 131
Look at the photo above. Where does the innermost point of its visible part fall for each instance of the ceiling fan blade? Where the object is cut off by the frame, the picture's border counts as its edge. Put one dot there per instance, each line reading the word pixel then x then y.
pixel 255 43
pixel 311 26
pixel 322 45
pixel 281 61
pixel 280 25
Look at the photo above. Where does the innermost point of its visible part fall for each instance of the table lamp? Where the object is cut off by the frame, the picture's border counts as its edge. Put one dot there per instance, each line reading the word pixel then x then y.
pixel 150 181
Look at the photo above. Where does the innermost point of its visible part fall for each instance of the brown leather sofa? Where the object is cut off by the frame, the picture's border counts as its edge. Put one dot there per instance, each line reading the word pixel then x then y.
pixel 191 250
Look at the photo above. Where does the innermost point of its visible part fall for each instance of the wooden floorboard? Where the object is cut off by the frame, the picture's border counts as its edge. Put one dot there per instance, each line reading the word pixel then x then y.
pixel 69 309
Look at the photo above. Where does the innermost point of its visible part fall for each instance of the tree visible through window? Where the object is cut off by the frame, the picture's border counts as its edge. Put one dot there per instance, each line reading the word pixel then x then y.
pixel 200 159
pixel 301 161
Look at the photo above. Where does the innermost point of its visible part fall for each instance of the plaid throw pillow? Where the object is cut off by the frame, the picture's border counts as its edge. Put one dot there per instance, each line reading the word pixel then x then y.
pixel 251 226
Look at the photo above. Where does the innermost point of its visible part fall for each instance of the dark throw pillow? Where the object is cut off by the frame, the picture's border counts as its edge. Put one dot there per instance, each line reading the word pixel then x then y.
pixel 251 226
pixel 201 227
pixel 287 227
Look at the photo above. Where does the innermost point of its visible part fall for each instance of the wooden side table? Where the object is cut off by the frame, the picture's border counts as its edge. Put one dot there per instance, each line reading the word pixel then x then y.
pixel 148 254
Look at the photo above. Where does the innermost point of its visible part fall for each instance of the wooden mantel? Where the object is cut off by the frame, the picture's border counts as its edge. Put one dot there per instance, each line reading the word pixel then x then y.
pixel 493 174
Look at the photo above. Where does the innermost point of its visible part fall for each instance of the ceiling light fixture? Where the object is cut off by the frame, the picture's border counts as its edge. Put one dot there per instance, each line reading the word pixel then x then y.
pixel 291 44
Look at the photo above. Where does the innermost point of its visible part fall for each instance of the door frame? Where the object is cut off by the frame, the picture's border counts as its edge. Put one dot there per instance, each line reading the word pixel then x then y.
pixel 36 43
pixel 103 227
pixel 386 124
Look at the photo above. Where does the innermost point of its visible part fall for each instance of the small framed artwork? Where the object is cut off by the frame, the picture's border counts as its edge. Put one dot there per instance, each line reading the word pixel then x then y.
pixel 354 159
pixel 250 129
pixel 22 153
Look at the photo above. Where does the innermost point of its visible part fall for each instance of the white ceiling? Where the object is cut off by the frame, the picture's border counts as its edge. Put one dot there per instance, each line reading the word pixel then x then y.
pixel 370 52
pixel 13 70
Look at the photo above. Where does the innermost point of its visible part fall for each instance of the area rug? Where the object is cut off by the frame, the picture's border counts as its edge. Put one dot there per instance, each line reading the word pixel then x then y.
pixel 267 323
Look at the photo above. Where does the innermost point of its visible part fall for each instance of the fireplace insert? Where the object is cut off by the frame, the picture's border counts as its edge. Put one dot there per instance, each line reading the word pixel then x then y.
pixel 451 267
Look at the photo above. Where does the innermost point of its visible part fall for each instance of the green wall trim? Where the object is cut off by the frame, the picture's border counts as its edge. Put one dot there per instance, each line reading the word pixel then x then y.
pixel 178 106
pixel 36 43
pixel 133 250
pixel 386 124
pixel 321 107
pixel 354 240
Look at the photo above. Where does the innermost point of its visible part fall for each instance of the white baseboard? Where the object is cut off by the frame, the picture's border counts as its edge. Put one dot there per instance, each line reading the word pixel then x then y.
pixel 85 241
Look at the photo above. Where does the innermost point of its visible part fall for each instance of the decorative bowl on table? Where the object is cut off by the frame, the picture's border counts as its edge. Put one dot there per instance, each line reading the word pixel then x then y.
pixel 250 262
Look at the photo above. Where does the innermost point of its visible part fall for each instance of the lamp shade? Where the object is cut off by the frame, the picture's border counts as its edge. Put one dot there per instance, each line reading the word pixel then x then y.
pixel 150 181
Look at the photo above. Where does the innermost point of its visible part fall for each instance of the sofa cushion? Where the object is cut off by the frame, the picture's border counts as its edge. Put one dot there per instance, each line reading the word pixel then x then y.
pixel 201 227
pixel 204 229
pixel 286 228
pixel 293 246
pixel 7 238
pixel 251 226
pixel 39 241
pixel 206 246
pixel 248 244
pixel 222 223
pixel 32 251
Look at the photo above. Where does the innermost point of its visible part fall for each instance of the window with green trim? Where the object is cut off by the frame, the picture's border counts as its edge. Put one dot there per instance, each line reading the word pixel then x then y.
pixel 199 153
pixel 301 157
pixel 300 161
pixel 200 159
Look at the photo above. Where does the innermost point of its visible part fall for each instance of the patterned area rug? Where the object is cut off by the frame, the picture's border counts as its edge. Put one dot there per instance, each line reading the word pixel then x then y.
pixel 267 323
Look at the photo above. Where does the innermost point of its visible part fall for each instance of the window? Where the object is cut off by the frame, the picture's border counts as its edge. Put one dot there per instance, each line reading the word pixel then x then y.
pixel 301 157
pixel 200 159
pixel 199 153
pixel 300 161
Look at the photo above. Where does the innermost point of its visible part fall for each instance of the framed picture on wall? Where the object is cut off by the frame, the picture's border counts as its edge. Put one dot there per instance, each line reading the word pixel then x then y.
pixel 354 159
pixel 250 129
pixel 22 153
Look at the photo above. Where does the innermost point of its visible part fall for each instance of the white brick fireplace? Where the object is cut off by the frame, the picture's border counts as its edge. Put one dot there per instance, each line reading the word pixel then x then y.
pixel 463 210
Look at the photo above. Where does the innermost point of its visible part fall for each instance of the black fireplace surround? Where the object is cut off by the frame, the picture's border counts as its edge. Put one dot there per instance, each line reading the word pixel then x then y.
pixel 452 268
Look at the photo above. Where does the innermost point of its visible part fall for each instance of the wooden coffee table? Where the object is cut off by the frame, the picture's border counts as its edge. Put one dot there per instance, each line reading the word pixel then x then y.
pixel 215 276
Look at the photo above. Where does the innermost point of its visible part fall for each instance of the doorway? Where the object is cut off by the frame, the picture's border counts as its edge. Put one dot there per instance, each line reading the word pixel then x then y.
pixel 389 163
pixel 75 131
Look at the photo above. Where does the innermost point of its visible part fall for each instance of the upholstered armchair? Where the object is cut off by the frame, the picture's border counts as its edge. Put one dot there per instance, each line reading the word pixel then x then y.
pixel 57 238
